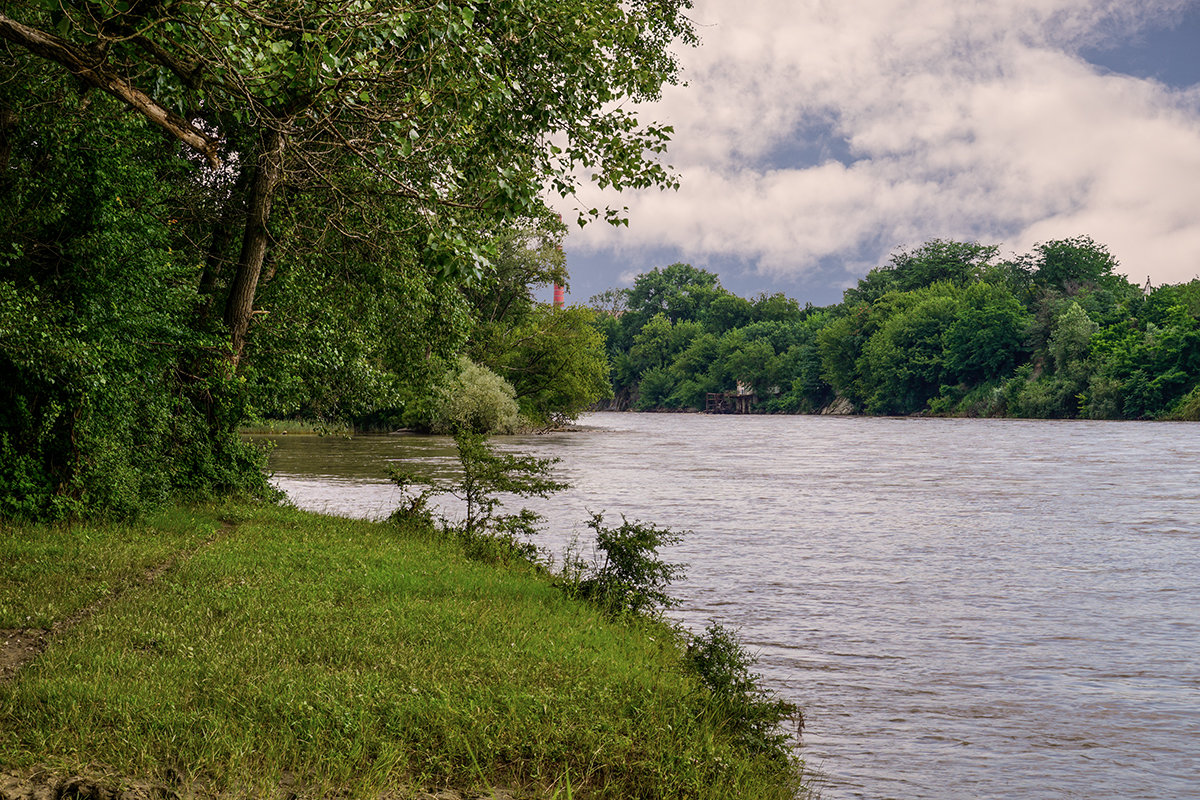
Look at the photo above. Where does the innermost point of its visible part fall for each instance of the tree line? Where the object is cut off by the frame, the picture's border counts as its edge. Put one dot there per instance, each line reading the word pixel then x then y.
pixel 945 328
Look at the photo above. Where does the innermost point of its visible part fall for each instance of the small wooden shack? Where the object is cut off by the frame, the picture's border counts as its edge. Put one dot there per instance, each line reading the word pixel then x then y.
pixel 729 402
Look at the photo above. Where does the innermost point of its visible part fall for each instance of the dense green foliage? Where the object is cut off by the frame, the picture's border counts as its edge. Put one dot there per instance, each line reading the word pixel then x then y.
pixel 723 663
pixel 110 396
pixel 946 328
pixel 473 398
pixel 533 365
pixel 626 575
pixel 222 211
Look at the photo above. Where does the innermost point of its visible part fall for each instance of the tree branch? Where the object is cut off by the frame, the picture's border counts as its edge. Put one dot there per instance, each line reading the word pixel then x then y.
pixel 76 61
pixel 188 73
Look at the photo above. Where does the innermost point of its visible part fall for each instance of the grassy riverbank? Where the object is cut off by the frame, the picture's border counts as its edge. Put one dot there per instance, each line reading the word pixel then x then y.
pixel 252 651
pixel 283 427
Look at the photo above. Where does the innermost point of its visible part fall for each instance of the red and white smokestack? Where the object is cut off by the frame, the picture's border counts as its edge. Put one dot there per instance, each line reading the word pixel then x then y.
pixel 559 296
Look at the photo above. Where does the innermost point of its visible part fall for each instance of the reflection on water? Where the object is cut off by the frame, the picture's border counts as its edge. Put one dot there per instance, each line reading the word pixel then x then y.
pixel 964 608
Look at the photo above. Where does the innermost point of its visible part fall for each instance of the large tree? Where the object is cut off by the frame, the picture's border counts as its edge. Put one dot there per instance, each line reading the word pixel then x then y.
pixel 305 152
pixel 448 106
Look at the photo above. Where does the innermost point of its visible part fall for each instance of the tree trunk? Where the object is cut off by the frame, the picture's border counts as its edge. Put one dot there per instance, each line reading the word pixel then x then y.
pixel 240 305
pixel 8 123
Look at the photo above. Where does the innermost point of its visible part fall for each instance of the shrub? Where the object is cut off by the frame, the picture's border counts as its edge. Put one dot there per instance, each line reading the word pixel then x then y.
pixel 753 713
pixel 485 531
pixel 1049 397
pixel 477 400
pixel 629 578
pixel 983 400
pixel 1187 408
pixel 656 386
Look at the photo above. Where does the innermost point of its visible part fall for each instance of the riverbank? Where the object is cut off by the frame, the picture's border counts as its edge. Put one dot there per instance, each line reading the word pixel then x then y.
pixel 254 651
pixel 284 427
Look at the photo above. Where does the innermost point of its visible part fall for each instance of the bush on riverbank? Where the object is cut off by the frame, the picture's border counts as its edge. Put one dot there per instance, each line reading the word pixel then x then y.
pixel 288 652
pixel 629 578
pixel 626 578
pixel 486 532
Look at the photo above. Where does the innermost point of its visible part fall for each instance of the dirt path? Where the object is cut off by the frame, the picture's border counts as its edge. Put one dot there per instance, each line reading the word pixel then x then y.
pixel 20 646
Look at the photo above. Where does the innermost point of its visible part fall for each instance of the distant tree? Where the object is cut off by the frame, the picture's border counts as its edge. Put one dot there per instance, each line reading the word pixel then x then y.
pixel 1160 305
pixel 840 344
pixel 1143 372
pixel 904 363
pixel 694 371
pixel 612 302
pixel 1072 338
pixel 680 292
pixel 945 328
pixel 878 282
pixel 752 364
pixel 958 263
pixel 776 307
pixel 659 341
pixel 652 346
pixel 654 388
pixel 987 338
pixel 1070 264
pixel 781 335
pixel 1015 275
pixel 698 357
pixel 557 364
pixel 1057 393
pixel 804 390
pixel 728 311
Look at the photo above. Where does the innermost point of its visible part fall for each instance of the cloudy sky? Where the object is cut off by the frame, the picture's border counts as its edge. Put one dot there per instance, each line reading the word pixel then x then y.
pixel 815 137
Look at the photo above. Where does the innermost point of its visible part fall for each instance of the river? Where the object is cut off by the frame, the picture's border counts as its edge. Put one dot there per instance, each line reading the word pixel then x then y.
pixel 963 608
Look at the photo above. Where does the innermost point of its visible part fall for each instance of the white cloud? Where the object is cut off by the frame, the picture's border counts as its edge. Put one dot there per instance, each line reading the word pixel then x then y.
pixel 964 118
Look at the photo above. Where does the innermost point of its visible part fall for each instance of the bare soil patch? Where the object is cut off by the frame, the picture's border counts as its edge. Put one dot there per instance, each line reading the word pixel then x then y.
pixel 19 646
pixel 43 785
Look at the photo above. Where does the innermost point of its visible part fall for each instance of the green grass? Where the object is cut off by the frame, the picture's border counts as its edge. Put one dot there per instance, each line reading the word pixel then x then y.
pixel 48 573
pixel 353 658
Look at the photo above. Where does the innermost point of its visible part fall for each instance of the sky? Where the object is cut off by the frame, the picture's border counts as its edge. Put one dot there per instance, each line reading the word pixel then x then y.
pixel 813 138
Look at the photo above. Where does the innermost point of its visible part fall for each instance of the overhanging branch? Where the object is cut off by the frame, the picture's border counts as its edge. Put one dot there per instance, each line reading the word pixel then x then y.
pixel 76 61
